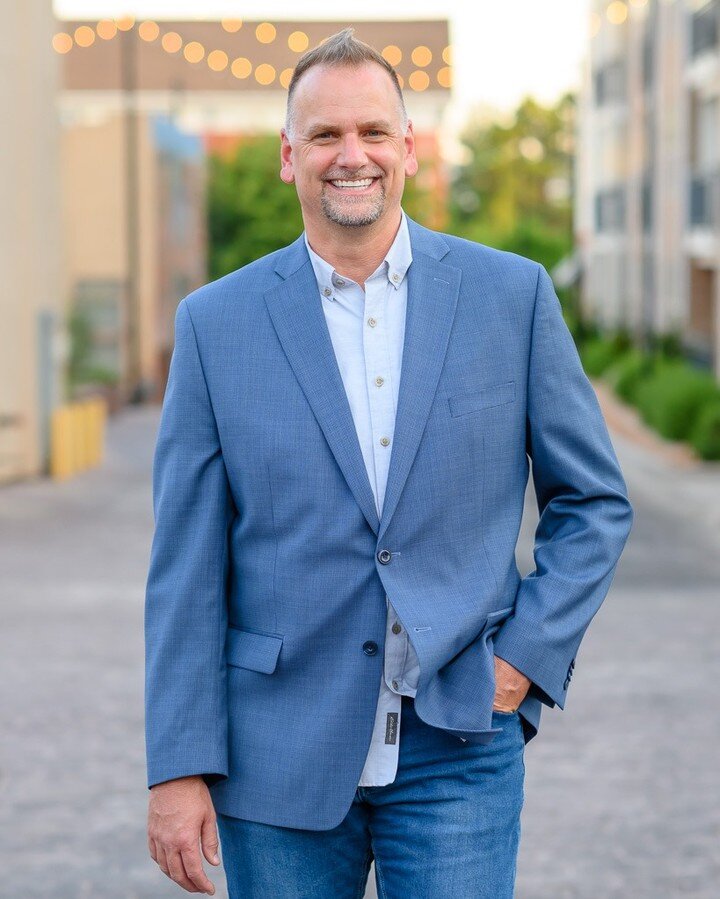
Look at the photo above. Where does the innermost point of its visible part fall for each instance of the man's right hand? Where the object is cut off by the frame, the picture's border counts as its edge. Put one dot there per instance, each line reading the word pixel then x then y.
pixel 180 815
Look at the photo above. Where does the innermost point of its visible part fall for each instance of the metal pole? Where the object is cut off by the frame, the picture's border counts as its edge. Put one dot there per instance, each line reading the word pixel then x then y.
pixel 128 51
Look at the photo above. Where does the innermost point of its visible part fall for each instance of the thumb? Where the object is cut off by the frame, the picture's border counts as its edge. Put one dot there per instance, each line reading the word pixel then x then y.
pixel 209 840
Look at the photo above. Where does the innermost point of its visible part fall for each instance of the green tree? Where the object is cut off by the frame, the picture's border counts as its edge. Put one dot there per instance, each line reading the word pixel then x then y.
pixel 250 211
pixel 515 191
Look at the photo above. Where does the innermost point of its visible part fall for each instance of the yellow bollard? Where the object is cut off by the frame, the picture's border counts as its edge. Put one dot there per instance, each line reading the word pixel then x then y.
pixel 77 437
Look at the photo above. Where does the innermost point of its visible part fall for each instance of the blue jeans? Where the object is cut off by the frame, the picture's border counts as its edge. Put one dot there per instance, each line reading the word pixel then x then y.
pixel 447 826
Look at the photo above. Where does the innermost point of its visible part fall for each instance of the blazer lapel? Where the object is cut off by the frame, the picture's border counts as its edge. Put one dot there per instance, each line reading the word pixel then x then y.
pixel 296 312
pixel 433 289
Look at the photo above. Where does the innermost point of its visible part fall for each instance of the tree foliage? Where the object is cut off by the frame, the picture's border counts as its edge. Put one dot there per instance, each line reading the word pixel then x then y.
pixel 250 211
pixel 515 190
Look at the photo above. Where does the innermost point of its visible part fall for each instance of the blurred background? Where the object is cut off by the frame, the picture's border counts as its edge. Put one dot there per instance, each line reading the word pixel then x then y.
pixel 140 159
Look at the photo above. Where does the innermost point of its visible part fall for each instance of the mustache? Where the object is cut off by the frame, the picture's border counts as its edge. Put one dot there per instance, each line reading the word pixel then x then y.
pixel 346 176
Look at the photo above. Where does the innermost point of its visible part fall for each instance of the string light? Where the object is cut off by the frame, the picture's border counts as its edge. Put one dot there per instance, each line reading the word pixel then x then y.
pixel 298 42
pixel 149 31
pixel 84 36
pixel 616 12
pixel 217 60
pixel 265 33
pixel 392 54
pixel 241 67
pixel 194 52
pixel 106 29
pixel 62 42
pixel 421 56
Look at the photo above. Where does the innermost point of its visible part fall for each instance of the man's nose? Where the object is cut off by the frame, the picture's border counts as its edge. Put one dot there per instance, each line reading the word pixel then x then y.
pixel 351 154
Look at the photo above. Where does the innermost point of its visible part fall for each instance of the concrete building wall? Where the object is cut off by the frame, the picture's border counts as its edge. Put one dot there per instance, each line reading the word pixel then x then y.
pixel 31 301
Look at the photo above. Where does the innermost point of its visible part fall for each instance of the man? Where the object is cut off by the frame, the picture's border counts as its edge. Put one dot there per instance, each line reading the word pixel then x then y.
pixel 343 662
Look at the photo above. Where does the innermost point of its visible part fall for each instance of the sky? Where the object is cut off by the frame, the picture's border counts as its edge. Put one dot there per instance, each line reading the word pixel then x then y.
pixel 503 49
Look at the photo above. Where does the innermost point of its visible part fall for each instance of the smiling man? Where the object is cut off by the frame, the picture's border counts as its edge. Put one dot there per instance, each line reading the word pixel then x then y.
pixel 342 661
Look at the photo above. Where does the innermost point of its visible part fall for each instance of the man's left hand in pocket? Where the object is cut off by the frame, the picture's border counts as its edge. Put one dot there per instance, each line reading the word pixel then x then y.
pixel 511 686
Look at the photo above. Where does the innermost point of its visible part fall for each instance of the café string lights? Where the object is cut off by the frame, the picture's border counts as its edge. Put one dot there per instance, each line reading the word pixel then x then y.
pixel 427 72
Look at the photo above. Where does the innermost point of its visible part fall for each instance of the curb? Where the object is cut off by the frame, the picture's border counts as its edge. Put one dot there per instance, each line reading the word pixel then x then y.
pixel 626 421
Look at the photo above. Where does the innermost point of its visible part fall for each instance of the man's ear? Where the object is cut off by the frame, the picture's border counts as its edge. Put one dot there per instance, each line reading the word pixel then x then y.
pixel 411 163
pixel 286 169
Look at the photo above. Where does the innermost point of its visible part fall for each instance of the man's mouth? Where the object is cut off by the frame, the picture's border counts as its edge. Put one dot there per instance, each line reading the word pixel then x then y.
pixel 354 184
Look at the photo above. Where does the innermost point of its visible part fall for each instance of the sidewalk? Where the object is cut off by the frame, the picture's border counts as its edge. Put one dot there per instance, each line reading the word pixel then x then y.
pixel 668 473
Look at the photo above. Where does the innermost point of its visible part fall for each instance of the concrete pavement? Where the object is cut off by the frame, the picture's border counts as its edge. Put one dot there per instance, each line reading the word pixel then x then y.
pixel 622 790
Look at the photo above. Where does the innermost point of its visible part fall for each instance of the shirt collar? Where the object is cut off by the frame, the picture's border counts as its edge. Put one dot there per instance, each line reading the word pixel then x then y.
pixel 397 261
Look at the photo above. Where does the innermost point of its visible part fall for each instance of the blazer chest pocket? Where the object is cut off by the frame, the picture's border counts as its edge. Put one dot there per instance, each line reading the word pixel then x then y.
pixel 492 395
pixel 252 649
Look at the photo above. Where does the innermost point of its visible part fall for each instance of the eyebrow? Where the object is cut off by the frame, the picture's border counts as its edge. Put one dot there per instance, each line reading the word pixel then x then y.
pixel 379 124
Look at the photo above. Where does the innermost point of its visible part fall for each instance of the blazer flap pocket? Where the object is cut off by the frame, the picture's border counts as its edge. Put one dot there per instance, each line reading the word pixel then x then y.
pixel 493 395
pixel 250 649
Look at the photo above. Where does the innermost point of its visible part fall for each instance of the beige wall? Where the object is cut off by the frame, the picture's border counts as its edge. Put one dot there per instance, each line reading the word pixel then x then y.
pixel 30 246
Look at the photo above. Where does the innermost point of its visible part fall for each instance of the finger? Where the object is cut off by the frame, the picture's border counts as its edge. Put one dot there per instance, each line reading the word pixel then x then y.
pixel 152 849
pixel 177 872
pixel 162 860
pixel 209 840
pixel 195 871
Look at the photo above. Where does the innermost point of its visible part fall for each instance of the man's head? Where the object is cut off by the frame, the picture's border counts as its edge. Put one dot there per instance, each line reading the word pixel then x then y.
pixel 347 143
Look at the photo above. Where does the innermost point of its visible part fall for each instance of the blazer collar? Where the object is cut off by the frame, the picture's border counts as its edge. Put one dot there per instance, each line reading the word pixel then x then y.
pixel 422 240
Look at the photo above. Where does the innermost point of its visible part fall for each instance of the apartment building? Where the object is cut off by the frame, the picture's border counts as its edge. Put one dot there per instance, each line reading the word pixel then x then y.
pixel 648 171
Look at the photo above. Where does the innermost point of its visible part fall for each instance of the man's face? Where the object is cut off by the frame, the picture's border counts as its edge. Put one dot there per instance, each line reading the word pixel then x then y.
pixel 348 155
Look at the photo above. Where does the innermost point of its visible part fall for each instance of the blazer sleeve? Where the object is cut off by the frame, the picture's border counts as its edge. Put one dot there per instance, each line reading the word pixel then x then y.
pixel 185 601
pixel 585 514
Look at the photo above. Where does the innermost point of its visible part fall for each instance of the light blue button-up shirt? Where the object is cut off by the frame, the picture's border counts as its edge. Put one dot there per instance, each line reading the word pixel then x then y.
pixel 367 329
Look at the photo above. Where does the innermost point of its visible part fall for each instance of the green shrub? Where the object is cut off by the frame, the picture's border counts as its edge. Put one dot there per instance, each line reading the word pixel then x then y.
pixel 705 436
pixel 671 398
pixel 598 354
pixel 628 371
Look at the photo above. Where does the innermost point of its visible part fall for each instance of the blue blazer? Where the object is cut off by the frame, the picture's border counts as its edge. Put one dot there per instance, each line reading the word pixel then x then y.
pixel 265 604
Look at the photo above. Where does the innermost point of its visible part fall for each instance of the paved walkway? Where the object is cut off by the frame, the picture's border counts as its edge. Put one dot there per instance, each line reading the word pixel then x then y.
pixel 622 796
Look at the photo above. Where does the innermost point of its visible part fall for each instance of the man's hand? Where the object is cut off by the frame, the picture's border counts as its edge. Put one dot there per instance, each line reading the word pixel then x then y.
pixel 511 686
pixel 181 813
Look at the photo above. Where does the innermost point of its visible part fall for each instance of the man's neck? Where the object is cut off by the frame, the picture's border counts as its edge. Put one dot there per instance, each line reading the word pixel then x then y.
pixel 354 252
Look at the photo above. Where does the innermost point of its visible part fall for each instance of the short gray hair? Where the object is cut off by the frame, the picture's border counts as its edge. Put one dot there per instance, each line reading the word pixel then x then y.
pixel 341 49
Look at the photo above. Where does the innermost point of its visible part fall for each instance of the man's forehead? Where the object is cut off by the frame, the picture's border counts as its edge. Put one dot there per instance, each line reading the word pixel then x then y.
pixel 329 80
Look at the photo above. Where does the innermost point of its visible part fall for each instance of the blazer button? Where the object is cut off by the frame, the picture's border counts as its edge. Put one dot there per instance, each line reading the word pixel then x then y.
pixel 370 647
pixel 572 664
pixel 566 684
pixel 384 556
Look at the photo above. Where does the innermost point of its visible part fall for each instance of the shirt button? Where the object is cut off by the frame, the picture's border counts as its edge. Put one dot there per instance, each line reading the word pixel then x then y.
pixel 396 628
pixel 372 322
pixel 339 282
pixel 327 292
pixel 395 685
pixel 379 381
pixel 385 441
pixel 395 277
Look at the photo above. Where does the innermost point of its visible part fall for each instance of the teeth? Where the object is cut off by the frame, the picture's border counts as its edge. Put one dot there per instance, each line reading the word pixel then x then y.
pixel 354 184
